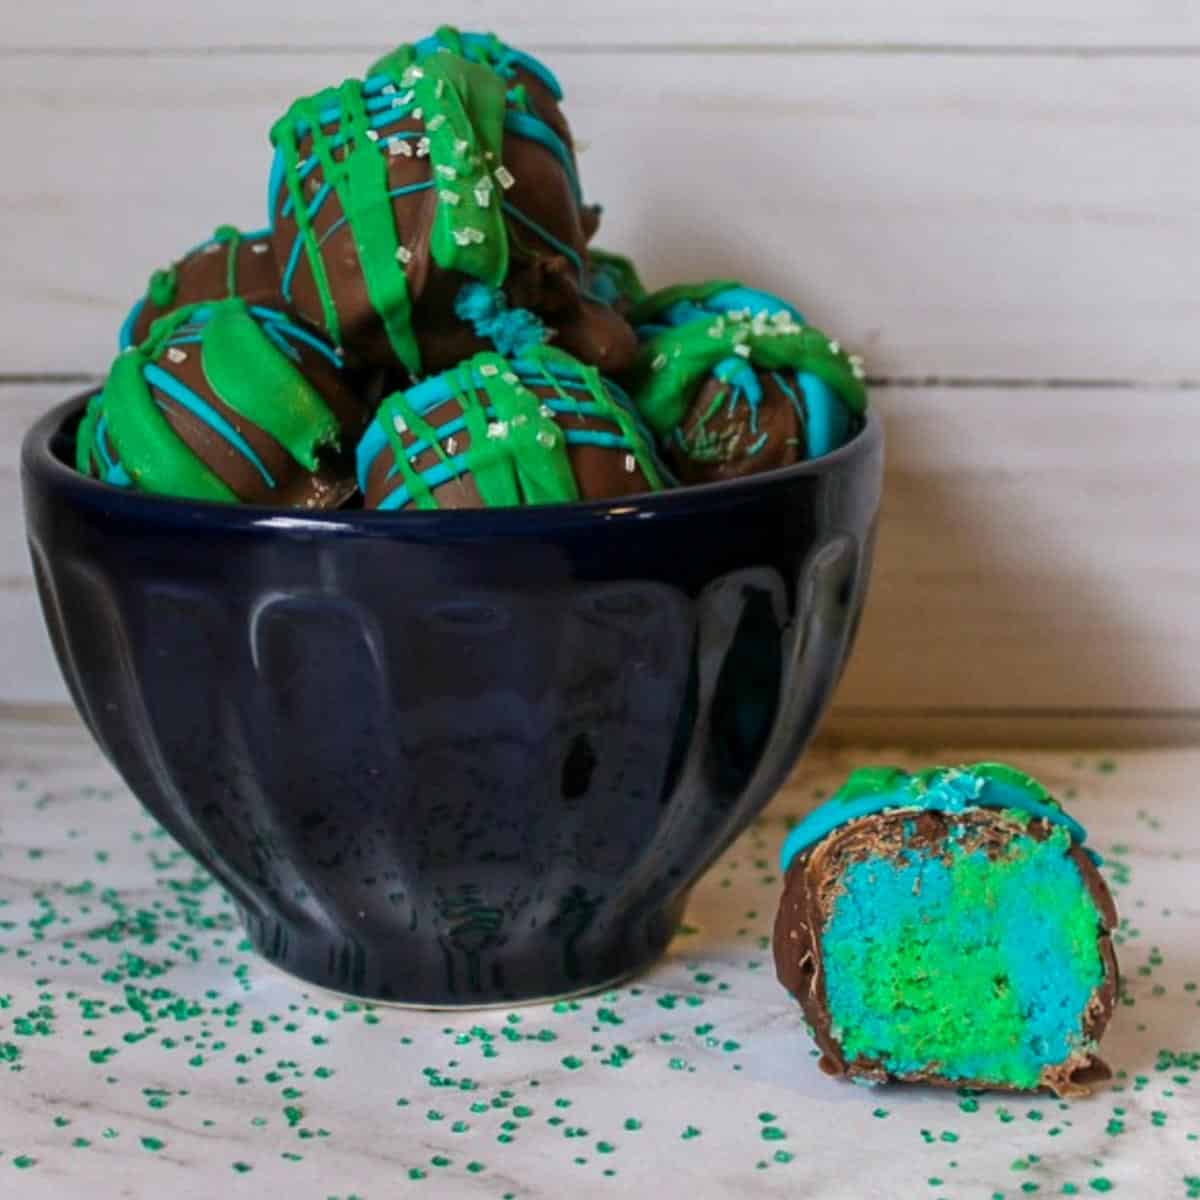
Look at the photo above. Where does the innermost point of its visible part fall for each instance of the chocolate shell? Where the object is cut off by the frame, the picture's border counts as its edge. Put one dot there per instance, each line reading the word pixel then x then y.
pixel 389 195
pixel 230 403
pixel 734 382
pixel 541 428
pixel 229 264
pixel 949 928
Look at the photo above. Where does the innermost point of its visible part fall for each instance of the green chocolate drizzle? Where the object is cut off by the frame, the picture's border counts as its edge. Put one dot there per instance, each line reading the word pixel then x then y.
pixel 650 306
pixel 246 372
pixel 674 362
pixel 232 236
pixel 462 106
pixel 254 379
pixel 163 286
pixel 518 453
pixel 155 456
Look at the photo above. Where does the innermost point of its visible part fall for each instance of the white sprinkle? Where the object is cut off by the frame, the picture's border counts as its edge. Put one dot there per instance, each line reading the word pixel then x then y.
pixel 504 177
pixel 404 255
pixel 176 355
pixel 489 369
pixel 411 75
pixel 400 146
pixel 372 135
pixel 449 197
pixel 630 464
pixel 782 318
pixel 388 89
pixel 520 419
pixel 546 410
pixel 547 439
pixel 858 371
pixel 461 146
pixel 259 248
pixel 742 349
pixel 497 429
pixel 468 236
pixel 660 361
pixel 436 122
pixel 440 90
pixel 483 192
pixel 835 347
pixel 452 445
pixel 418 113
pixel 446 172
pixel 211 248
pixel 423 148
pixel 399 424
pixel 489 156
pixel 509 377
pixel 856 360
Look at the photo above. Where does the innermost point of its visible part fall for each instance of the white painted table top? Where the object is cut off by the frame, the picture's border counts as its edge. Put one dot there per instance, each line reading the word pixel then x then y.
pixel 145 1052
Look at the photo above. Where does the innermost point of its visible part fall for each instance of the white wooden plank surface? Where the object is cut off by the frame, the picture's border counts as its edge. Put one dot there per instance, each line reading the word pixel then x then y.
pixel 1007 217
pixel 1037 553
pixel 616 23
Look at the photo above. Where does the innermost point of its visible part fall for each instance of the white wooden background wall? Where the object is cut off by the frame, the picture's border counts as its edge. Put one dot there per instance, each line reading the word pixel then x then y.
pixel 998 203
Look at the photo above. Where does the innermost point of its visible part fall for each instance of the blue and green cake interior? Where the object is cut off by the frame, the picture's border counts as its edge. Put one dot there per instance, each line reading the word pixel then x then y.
pixel 959 939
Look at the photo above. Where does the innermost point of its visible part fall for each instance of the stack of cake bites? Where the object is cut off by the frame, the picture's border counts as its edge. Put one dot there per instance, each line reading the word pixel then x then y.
pixel 423 324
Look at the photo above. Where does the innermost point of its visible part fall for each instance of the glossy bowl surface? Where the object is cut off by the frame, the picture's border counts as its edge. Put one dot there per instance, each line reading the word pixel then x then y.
pixel 455 758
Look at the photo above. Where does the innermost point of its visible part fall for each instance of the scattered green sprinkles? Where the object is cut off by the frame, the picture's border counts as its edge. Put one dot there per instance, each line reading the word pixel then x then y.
pixel 122 959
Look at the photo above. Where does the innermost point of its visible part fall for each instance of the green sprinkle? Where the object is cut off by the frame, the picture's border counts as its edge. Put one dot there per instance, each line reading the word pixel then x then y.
pixel 152 1143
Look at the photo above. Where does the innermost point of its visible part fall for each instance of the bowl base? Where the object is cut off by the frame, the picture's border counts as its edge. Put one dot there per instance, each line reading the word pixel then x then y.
pixel 444 971
pixel 466 1006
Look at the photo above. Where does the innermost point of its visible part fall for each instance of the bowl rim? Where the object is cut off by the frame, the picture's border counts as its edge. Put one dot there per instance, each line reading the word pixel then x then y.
pixel 48 472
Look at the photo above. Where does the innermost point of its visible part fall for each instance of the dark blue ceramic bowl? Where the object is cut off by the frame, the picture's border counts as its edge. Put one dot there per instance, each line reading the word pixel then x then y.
pixel 455 758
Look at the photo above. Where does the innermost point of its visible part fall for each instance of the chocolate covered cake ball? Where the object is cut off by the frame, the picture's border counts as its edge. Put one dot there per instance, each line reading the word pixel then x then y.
pixel 388 196
pixel 226 402
pixel 734 382
pixel 949 927
pixel 228 264
pixel 538 428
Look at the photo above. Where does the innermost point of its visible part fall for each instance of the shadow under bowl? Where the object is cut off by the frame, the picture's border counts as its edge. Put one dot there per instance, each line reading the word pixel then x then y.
pixel 455 758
